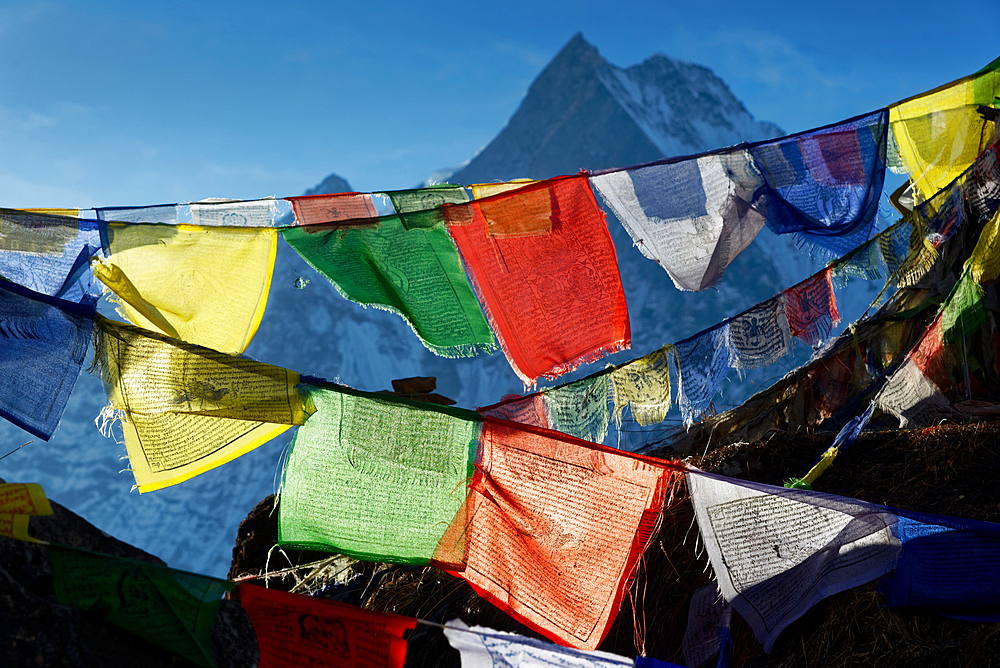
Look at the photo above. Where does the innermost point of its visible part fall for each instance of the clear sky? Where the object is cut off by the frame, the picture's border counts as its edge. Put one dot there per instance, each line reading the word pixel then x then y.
pixel 109 103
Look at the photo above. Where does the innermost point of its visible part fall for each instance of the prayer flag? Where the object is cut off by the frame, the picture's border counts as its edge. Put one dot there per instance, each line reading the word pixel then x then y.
pixel 378 479
pixel 644 386
pixel 297 630
pixel 824 185
pixel 411 270
pixel 203 285
pixel 811 308
pixel 421 207
pixel 340 210
pixel 556 526
pixel 702 363
pixel 692 216
pixel 18 503
pixel 940 133
pixel 707 640
pixel 49 253
pixel 43 342
pixel 481 647
pixel 185 409
pixel 546 272
pixel 268 212
pixel 778 551
pixel 172 609
pixel 948 564
pixel 760 336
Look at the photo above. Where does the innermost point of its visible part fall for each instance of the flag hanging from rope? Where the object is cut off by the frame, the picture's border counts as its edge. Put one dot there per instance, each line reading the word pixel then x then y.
pixel 545 270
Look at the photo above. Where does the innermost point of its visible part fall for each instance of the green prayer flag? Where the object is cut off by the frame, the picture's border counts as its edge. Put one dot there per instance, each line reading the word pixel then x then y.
pixel 407 264
pixel 172 609
pixel 963 313
pixel 379 479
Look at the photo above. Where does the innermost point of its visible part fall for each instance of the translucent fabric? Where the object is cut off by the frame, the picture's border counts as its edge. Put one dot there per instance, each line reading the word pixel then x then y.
pixel 49 253
pixel 811 308
pixel 481 190
pixel 379 479
pixel 580 408
pixel 644 386
pixel 964 312
pixel 341 210
pixel 940 133
pixel 693 216
pixel 556 526
pixel 824 185
pixel 412 271
pixel 268 212
pixel 421 207
pixel 19 502
pixel 702 362
pixel 544 267
pixel 760 336
pixel 171 609
pixel 186 409
pixel 43 342
pixel 984 263
pixel 295 630
pixel 202 285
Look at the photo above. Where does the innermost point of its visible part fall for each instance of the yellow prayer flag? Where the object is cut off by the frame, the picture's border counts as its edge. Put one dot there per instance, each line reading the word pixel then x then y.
pixel 203 285
pixel 984 263
pixel 185 409
pixel 643 385
pixel 18 502
pixel 481 190
pixel 940 134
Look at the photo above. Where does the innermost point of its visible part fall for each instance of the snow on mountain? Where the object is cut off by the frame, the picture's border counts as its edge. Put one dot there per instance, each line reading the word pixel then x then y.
pixel 581 112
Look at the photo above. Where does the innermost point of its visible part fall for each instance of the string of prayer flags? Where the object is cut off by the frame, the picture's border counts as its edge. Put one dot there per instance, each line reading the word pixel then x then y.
pixel 940 133
pixel 644 386
pixel 398 264
pixel 540 258
pixel 19 501
pixel 339 210
pixel 824 185
pixel 579 408
pixel 759 336
pixel 556 526
pixel 421 207
pixel 268 212
pixel 169 608
pixel 185 409
pixel 811 308
pixel 692 216
pixel 43 342
pixel 777 551
pixel 47 251
pixel 702 363
pixel 378 479
pixel 482 647
pixel 203 285
pixel 946 563
pixel 297 630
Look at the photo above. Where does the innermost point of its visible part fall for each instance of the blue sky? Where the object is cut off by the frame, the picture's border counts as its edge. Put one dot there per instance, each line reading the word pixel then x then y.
pixel 121 103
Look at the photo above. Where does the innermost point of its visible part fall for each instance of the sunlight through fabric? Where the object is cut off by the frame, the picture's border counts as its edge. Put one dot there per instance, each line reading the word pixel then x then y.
pixel 556 526
pixel 185 409
pixel 379 479
pixel 203 285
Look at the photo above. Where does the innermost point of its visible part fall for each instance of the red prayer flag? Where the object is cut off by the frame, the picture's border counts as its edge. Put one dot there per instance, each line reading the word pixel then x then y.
pixel 554 527
pixel 811 308
pixel 545 269
pixel 296 630
pixel 344 209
